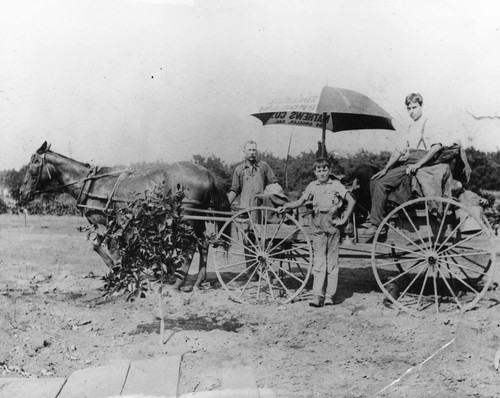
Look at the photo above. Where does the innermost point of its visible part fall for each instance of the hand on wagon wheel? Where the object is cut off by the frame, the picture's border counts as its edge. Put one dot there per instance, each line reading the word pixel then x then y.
pixel 282 209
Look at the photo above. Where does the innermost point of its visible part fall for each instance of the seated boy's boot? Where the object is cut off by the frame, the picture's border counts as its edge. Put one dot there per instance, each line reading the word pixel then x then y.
pixel 317 301
pixel 371 231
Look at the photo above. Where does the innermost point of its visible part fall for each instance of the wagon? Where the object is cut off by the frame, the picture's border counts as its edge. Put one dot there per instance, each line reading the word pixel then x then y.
pixel 428 258
pixel 434 260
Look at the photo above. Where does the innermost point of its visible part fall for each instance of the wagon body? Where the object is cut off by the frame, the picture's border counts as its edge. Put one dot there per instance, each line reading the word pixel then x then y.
pixel 441 259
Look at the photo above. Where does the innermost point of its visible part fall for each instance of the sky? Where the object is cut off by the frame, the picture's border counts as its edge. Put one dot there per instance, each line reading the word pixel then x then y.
pixel 115 82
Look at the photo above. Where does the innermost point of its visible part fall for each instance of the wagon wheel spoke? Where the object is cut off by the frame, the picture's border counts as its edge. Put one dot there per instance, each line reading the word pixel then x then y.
pixel 441 225
pixel 243 272
pixel 272 253
pixel 291 261
pixel 429 231
pixel 465 267
pixel 453 233
pixel 396 261
pixel 280 281
pixel 402 274
pixel 420 295
pixel 415 229
pixel 247 239
pixel 233 264
pixel 233 253
pixel 269 285
pixel 248 282
pixel 289 273
pixel 434 283
pixel 443 276
pixel 400 248
pixel 458 278
pixel 462 241
pixel 408 287
pixel 286 238
pixel 223 234
pixel 465 255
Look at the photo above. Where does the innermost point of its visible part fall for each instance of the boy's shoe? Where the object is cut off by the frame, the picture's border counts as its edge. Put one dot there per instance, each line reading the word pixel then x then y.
pixel 368 234
pixel 317 302
pixel 328 301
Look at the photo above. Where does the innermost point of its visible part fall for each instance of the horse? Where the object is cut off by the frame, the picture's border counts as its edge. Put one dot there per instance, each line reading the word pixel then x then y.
pixel 98 190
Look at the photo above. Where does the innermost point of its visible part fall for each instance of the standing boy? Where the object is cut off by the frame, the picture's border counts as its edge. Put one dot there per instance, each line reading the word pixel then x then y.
pixel 327 196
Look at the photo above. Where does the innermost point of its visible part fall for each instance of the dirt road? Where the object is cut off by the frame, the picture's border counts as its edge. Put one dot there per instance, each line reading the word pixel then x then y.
pixel 54 322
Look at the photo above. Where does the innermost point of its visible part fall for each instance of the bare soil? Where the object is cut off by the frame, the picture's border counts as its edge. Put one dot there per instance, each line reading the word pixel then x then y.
pixel 54 321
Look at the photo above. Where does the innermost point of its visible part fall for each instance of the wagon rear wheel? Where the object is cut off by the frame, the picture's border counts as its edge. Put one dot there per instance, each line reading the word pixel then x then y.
pixel 437 253
pixel 267 256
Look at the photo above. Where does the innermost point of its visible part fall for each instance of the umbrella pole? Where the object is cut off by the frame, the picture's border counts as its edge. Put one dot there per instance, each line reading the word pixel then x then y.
pixel 286 163
pixel 323 137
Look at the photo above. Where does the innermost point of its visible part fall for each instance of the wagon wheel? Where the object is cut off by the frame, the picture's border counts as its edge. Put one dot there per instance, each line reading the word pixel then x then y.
pixel 436 252
pixel 267 257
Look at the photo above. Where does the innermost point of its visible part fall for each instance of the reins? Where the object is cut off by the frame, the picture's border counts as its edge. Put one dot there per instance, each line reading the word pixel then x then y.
pixel 86 189
pixel 91 176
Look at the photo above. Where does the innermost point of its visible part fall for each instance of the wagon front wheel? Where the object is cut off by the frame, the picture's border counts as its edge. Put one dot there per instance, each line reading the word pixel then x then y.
pixel 263 256
pixel 437 253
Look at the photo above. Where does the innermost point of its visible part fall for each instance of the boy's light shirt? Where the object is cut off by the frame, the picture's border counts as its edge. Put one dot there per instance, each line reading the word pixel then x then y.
pixel 434 132
pixel 327 196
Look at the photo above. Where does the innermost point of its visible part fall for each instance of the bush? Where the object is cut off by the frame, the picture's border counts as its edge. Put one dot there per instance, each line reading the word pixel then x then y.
pixel 3 207
pixel 152 238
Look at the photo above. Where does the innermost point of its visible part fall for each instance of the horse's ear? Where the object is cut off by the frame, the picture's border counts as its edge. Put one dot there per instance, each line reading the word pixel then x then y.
pixel 44 148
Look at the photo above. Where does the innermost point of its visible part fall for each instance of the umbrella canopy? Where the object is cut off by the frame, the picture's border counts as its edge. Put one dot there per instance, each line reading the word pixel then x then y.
pixel 335 109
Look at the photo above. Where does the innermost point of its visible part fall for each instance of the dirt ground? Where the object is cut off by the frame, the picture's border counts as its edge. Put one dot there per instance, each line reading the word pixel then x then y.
pixel 53 322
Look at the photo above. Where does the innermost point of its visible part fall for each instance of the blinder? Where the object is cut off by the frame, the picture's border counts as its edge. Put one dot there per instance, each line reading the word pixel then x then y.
pixel 35 168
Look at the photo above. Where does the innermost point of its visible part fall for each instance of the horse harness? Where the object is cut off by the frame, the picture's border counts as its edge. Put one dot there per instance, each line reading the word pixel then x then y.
pixel 88 182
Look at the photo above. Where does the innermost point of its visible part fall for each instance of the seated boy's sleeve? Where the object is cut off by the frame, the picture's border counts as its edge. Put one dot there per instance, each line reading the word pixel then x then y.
pixel 342 190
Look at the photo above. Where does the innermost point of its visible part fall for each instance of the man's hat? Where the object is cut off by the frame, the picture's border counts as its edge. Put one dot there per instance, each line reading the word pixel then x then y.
pixel 276 189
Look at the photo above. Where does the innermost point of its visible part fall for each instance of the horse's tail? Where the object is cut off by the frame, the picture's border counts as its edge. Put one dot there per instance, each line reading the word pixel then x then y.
pixel 217 195
pixel 363 174
pixel 219 201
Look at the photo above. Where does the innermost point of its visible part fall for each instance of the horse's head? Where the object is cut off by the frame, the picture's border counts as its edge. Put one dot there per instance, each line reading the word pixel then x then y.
pixel 37 175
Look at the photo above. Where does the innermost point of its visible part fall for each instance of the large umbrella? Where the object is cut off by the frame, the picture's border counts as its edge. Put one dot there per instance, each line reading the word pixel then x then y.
pixel 335 109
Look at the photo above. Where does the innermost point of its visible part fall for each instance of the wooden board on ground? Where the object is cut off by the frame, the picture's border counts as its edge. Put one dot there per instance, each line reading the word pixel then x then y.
pixel 240 380
pixel 99 382
pixel 158 376
pixel 30 388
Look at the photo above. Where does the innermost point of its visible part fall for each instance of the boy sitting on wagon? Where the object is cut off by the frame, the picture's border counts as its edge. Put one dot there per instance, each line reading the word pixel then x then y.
pixel 433 180
pixel 327 196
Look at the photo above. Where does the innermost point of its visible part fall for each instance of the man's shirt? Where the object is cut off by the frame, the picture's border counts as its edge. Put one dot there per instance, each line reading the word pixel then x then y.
pixel 250 180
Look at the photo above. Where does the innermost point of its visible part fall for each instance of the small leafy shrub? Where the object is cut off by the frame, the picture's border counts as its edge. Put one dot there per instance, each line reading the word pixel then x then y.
pixel 152 238
pixel 3 206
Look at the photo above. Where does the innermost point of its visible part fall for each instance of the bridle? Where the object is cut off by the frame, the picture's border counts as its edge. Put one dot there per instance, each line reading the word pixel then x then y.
pixel 40 161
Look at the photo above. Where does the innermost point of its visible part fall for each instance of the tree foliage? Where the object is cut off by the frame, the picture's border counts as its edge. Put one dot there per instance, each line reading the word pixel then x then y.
pixel 152 238
pixel 296 173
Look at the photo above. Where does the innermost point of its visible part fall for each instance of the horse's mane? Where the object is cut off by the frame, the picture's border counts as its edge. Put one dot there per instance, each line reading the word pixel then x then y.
pixel 67 158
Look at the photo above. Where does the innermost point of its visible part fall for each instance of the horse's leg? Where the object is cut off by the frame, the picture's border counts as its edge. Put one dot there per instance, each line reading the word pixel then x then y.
pixel 202 271
pixel 182 272
pixel 97 247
